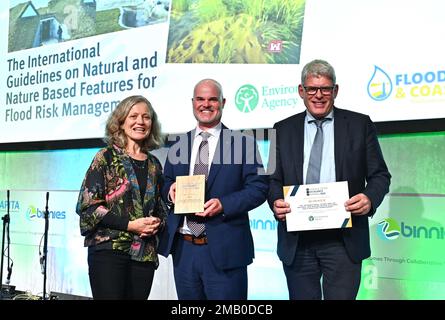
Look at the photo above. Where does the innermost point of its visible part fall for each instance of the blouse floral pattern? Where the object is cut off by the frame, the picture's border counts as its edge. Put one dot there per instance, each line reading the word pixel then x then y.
pixel 110 187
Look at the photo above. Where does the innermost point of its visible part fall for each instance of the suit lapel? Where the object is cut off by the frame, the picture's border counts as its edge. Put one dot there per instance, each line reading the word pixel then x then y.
pixel 341 128
pixel 298 146
pixel 220 156
pixel 184 144
pixel 190 140
pixel 185 169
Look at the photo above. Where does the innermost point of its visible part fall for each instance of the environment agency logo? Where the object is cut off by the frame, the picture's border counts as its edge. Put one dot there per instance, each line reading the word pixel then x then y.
pixel 388 229
pixel 246 98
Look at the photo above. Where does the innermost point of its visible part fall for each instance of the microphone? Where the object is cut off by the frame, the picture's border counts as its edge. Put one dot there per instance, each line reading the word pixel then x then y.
pixel 44 257
pixel 47 198
pixel 42 264
pixel 45 248
pixel 8 278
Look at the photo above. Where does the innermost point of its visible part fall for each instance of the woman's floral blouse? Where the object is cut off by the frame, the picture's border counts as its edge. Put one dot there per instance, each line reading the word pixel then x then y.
pixel 109 198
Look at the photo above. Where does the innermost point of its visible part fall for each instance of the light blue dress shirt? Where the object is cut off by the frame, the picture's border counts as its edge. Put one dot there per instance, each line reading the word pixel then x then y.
pixel 327 172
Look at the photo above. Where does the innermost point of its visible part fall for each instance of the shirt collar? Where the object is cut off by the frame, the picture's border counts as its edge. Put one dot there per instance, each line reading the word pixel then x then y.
pixel 310 117
pixel 214 132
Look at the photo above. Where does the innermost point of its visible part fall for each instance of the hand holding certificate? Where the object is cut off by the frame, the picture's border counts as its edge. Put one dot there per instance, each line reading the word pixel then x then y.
pixel 190 194
pixel 317 206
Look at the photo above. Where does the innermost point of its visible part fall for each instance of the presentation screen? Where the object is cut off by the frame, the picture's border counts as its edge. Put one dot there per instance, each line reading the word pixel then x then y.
pixel 66 64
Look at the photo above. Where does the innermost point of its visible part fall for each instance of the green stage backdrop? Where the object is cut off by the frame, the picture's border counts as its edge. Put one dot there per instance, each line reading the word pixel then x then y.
pixel 407 233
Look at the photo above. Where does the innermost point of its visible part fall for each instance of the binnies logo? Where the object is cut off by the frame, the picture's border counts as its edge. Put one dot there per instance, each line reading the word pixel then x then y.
pixel 389 229
pixel 33 213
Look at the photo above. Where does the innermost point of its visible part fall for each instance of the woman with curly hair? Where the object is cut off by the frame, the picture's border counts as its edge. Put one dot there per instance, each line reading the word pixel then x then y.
pixel 120 207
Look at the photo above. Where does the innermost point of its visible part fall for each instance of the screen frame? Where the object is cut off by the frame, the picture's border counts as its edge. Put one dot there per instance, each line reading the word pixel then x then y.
pixel 383 128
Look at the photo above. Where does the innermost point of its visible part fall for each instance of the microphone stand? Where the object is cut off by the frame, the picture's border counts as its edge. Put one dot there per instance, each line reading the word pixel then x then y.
pixel 5 219
pixel 45 245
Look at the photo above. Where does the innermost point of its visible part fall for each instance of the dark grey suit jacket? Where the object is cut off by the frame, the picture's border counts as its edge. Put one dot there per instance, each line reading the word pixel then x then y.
pixel 358 160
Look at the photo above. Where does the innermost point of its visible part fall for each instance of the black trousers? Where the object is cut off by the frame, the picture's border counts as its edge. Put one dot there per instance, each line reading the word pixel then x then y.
pixel 321 255
pixel 114 276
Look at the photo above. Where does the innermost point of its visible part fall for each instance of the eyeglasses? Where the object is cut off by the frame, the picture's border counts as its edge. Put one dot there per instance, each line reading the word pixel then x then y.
pixel 326 91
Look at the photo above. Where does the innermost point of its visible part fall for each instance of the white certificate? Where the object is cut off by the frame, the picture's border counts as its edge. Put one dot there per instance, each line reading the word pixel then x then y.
pixel 317 206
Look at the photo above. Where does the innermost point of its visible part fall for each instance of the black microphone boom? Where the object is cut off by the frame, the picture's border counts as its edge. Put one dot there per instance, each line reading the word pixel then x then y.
pixel 8 240
pixel 45 246
pixel 5 219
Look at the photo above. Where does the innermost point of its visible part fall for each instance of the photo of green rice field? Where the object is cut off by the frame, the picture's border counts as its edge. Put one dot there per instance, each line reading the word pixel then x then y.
pixel 235 31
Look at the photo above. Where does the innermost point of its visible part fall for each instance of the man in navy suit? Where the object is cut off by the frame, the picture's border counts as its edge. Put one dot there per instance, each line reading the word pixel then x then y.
pixel 351 153
pixel 213 264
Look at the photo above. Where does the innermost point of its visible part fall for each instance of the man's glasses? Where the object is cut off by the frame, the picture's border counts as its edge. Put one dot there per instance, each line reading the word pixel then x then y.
pixel 326 91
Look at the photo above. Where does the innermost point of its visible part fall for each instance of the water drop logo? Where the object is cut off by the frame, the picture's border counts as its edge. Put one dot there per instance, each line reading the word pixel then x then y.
pixel 31 213
pixel 388 229
pixel 380 85
pixel 246 98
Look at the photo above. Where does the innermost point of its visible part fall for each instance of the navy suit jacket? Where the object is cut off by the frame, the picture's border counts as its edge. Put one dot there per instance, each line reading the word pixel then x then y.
pixel 234 180
pixel 358 160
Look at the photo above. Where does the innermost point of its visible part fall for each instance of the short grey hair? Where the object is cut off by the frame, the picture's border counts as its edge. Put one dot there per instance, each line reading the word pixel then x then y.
pixel 215 83
pixel 318 68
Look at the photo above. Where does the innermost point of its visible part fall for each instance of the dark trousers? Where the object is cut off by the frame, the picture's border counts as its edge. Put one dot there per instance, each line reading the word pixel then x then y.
pixel 197 278
pixel 114 276
pixel 322 269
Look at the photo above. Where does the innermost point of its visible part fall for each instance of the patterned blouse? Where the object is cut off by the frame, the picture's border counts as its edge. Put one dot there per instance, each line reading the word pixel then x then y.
pixel 110 197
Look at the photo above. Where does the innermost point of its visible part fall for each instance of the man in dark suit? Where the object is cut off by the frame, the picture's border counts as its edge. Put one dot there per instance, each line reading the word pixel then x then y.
pixel 350 152
pixel 212 264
